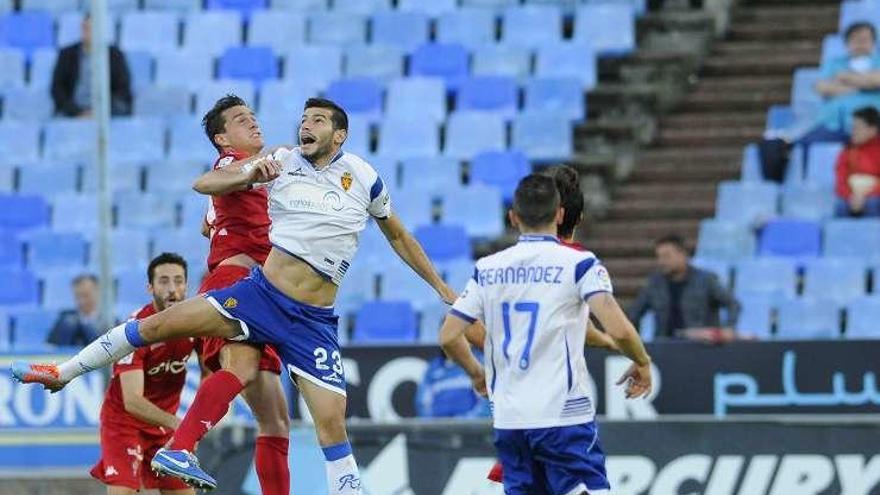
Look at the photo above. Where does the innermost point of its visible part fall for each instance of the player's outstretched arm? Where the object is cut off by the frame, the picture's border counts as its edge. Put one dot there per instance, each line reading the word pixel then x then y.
pixel 619 328
pixel 238 176
pixel 411 252
pixel 132 384
pixel 456 346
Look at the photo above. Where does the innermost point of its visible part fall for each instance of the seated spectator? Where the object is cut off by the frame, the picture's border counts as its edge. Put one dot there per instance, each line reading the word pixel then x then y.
pixel 858 168
pixel 682 296
pixel 72 79
pixel 78 327
pixel 446 392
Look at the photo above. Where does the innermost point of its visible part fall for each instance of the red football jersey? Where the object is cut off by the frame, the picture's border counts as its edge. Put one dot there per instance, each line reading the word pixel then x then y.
pixel 574 245
pixel 164 367
pixel 239 221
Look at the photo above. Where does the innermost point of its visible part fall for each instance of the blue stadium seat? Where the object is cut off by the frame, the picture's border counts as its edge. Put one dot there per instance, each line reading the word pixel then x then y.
pixel 755 316
pixel 456 273
pixel 364 7
pixel 563 97
pixel 212 32
pixel 209 93
pixel 750 167
pixel 833 46
pixel 12 61
pixel 131 249
pixel 808 201
pixel 406 30
pixel 337 28
pixel 380 62
pixel 786 237
pixel 75 213
pixel 433 8
pixel 313 66
pixel 431 318
pixel 7 178
pixel 398 282
pixel 193 208
pixel 22 212
pixel 472 28
pixel 721 268
pixel 821 158
pixel 532 26
pixel 120 6
pixel 11 251
pixel 808 319
pixel 610 28
pixel 28 30
pixel 167 102
pixel 124 178
pixel 403 136
pixel 805 100
pixel 19 287
pixel 42 67
pixel 570 59
pixel 53 6
pixel 279 128
pixel 771 278
pixel 31 328
pixel 6 6
pixel 189 243
pixel 385 322
pixel 852 238
pixel 496 94
pixel 254 63
pixel 149 145
pixel 70 29
pixel 862 315
pixel 358 286
pixel 502 60
pixel 70 139
pixel 421 96
pixel 278 30
pixel 131 286
pixel 140 67
pixel 32 179
pixel 479 208
pixel 173 177
pixel 145 211
pixel 852 11
pixel 284 98
pixel 492 5
pixel 24 138
pixel 57 291
pixel 430 175
pixel 51 249
pixel 468 133
pixel 725 240
pixel 149 31
pixel 837 279
pixel 244 7
pixel 502 169
pixel 746 202
pixel 542 136
pixel 183 68
pixel 780 117
pixel 388 169
pixel 358 140
pixel 413 207
pixel 362 96
pixel 300 5
pixel 179 6
pixel 446 60
pixel 444 242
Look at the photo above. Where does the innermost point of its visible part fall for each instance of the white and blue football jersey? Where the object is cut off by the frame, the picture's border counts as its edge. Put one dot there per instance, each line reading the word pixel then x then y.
pixel 532 299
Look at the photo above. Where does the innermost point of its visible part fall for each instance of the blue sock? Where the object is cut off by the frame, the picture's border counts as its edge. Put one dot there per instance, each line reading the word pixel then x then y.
pixel 336 452
pixel 133 335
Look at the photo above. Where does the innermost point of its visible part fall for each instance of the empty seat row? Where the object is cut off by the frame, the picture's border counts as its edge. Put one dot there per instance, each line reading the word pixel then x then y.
pixel 809 318
pixel 755 202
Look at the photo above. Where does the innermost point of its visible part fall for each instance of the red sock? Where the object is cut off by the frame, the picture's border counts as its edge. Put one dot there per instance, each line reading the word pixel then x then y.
pixel 210 405
pixel 496 474
pixel 273 469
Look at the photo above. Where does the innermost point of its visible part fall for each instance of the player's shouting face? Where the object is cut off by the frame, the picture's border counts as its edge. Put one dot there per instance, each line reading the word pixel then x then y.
pixel 168 285
pixel 318 136
pixel 241 131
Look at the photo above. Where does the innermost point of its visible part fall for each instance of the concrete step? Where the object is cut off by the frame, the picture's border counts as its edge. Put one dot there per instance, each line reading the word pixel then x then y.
pixel 778 64
pixel 629 267
pixel 672 191
pixel 644 209
pixel 753 101
pixel 622 229
pixel 705 136
pixel 691 173
pixel 759 48
pixel 745 83
pixel 779 31
pixel 816 13
pixel 713 120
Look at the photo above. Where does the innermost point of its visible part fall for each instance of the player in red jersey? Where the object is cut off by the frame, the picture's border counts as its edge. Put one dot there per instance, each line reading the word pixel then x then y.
pixel 238 226
pixel 137 417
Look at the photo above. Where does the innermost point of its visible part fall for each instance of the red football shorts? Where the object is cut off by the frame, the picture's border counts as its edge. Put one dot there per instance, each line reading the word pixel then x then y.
pixel 496 473
pixel 126 453
pixel 219 278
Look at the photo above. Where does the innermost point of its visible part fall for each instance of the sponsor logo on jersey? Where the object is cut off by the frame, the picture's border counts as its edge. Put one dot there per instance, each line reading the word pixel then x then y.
pixel 346 180
pixel 169 366
pixel 230 303
pixel 297 173
pixel 111 471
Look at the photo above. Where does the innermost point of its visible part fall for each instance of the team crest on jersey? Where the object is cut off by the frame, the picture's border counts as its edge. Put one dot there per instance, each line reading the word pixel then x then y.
pixel 346 181
pixel 230 303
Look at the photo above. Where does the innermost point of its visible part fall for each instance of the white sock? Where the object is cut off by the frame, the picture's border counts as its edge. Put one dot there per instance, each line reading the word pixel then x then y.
pixel 343 477
pixel 120 341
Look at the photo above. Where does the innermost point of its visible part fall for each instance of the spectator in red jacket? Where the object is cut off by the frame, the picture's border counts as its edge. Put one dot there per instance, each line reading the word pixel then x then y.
pixel 858 168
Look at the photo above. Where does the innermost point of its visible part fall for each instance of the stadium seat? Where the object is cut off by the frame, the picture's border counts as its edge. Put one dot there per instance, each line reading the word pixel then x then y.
pixel 444 242
pixel 11 251
pixel 501 169
pixel 12 61
pixel 42 67
pixel 433 8
pixel 145 211
pixel 75 213
pixel 70 29
pixel 720 268
pixel 472 28
pixel 358 286
pixel 362 96
pixel 193 209
pixel 22 212
pixel 51 249
pixel 183 68
pixel 495 94
pixel 70 139
pixel 385 322
pixel 430 175
pixel 358 140
pixel 532 26
pixel 413 207
pixel 837 279
pixel 808 201
pixel 56 283
pixel 34 179
pixel 853 238
pixel 299 5
pixel 570 59
pixel 210 92
pixel 364 7
pixel 402 137
pixel 179 6
pixel 723 240
pixel 7 179
pixel 780 117
pixel 456 273
pixel 772 278
pixel 421 96
pixel 821 158
pixel 124 178
pixel 446 60
pixel 388 169
pixel 24 138
pixel 278 128
pixel 121 6
pixel 431 318
pixel 52 6
pixel 479 208
pixel 172 177
pixel 862 315
pixel 542 136
pixel 405 30
pixel 140 68
pixel 852 11
pixel 502 60
pixel 468 133
pixel 787 237
pixel 313 66
pixel 19 287
pixel 149 147
pixel 244 7
pixel 750 167
pixel 31 328
pixel 337 28
pixel 755 316
pixel 167 102
pixel 398 282
pixel 746 202
pixel 149 31
pixel 212 32
pixel 805 100
pixel 130 250
pixel 609 28
pixel 264 30
pixel 284 98
pixel 379 62
pixel 189 243
pixel 492 5
pixel 833 46
pixel 6 6
pixel 131 286
pixel 808 319
pixel 253 63
pixel 563 97
pixel 27 30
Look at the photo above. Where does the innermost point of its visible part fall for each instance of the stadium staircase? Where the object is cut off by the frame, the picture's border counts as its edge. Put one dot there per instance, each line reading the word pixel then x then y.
pixel 697 137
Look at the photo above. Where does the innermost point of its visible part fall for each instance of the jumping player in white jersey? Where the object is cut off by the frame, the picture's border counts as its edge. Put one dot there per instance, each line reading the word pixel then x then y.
pixel 320 199
pixel 534 299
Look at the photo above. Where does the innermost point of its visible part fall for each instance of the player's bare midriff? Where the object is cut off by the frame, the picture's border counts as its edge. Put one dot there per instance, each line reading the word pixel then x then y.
pixel 240 260
pixel 298 280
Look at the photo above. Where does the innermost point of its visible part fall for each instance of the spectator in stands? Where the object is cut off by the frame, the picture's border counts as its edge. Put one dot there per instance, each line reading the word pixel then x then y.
pixel 858 167
pixel 78 327
pixel 72 79
pixel 446 392
pixel 682 296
